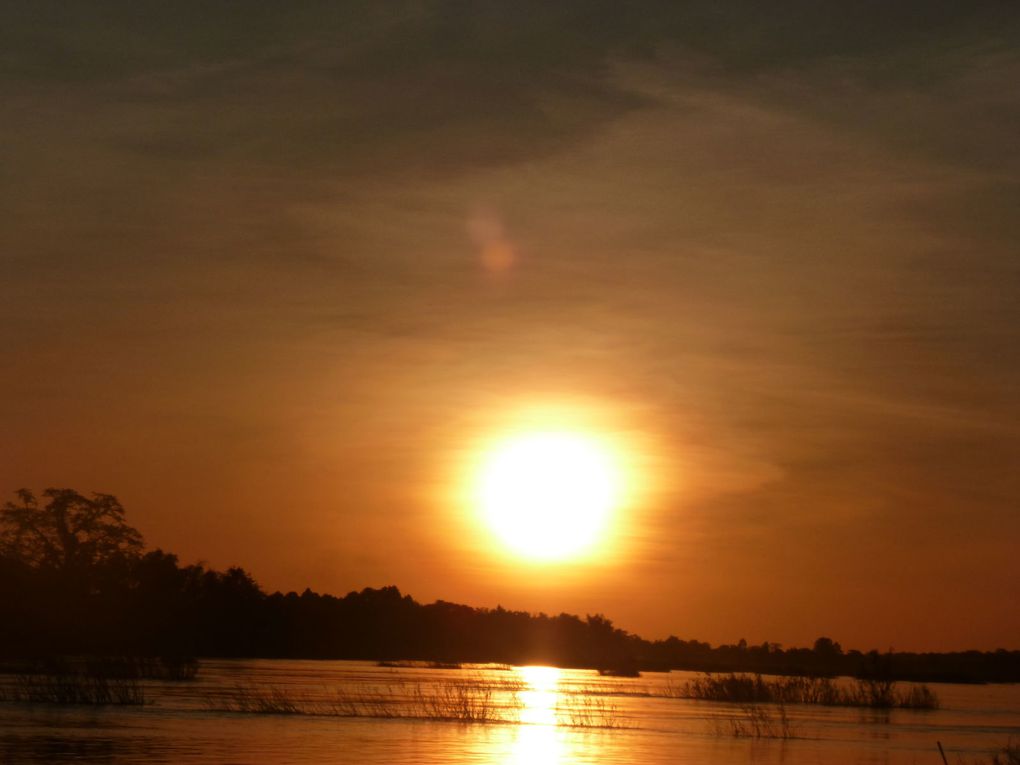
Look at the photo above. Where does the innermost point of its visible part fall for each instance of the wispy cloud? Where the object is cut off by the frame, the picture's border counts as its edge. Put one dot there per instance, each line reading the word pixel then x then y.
pixel 293 252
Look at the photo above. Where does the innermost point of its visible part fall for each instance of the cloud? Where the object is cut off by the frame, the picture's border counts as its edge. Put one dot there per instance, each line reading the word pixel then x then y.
pixel 251 242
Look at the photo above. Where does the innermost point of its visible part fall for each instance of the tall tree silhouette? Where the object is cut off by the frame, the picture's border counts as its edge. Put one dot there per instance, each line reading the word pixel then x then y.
pixel 75 580
pixel 70 534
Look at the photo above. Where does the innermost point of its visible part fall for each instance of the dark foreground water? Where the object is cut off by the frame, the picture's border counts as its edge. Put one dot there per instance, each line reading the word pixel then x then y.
pixel 360 713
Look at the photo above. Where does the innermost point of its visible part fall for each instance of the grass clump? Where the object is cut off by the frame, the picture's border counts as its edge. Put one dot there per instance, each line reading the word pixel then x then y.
pixel 169 668
pixel 824 691
pixel 459 702
pixel 586 711
pixel 369 704
pixel 919 697
pixel 1008 755
pixel 166 668
pixel 757 721
pixel 419 664
pixel 252 699
pixel 73 688
pixel 477 701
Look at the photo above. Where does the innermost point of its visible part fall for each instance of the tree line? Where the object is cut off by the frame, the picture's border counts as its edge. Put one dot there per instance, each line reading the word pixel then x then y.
pixel 75 578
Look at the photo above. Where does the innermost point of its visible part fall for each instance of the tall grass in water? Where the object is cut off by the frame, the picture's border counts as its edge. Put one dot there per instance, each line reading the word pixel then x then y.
pixel 756 721
pixel 262 701
pixel 470 701
pixel 90 680
pixel 419 664
pixel 347 704
pixel 584 711
pixel 168 668
pixel 73 688
pixel 459 702
pixel 747 689
pixel 920 697
pixel 1007 755
pixel 171 668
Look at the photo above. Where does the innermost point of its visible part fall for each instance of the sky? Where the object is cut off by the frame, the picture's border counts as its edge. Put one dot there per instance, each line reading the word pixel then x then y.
pixel 274 273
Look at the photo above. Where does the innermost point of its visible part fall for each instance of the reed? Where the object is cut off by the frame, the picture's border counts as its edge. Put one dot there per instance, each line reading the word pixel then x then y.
pixel 346 704
pixel 260 700
pixel 419 664
pixel 467 701
pixel 757 721
pixel 460 702
pixel 584 711
pixel 919 697
pixel 1008 755
pixel 748 689
pixel 73 688
pixel 166 668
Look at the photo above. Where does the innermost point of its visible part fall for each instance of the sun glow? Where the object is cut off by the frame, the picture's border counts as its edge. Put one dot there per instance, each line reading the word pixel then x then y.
pixel 549 495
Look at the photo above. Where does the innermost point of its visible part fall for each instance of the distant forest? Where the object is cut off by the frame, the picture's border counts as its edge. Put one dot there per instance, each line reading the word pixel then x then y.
pixel 75 579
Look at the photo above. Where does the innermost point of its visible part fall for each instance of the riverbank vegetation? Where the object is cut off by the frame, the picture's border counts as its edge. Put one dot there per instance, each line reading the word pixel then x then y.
pixel 76 579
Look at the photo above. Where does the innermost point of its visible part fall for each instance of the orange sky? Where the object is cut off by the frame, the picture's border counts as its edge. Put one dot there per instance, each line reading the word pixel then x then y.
pixel 271 279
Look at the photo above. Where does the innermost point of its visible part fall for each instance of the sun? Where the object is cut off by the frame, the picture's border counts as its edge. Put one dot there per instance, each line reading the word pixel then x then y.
pixel 548 495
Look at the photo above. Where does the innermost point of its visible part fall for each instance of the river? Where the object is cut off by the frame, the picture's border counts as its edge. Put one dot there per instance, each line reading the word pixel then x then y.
pixel 358 712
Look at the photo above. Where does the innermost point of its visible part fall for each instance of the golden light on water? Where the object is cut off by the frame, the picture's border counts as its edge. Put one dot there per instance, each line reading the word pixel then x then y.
pixel 538 700
pixel 538 740
pixel 538 745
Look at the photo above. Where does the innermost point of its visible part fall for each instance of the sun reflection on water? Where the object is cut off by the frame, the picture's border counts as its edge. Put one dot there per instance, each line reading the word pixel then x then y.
pixel 538 740
pixel 538 745
pixel 538 699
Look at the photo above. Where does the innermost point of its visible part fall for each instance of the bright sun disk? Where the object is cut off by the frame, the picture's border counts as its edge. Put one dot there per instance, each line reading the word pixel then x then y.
pixel 548 495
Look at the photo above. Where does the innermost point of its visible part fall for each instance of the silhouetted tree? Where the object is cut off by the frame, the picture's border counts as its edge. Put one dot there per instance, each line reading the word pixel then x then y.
pixel 826 648
pixel 70 534
pixel 73 580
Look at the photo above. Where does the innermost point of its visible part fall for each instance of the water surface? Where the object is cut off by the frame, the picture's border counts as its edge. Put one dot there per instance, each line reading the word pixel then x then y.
pixel 541 716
